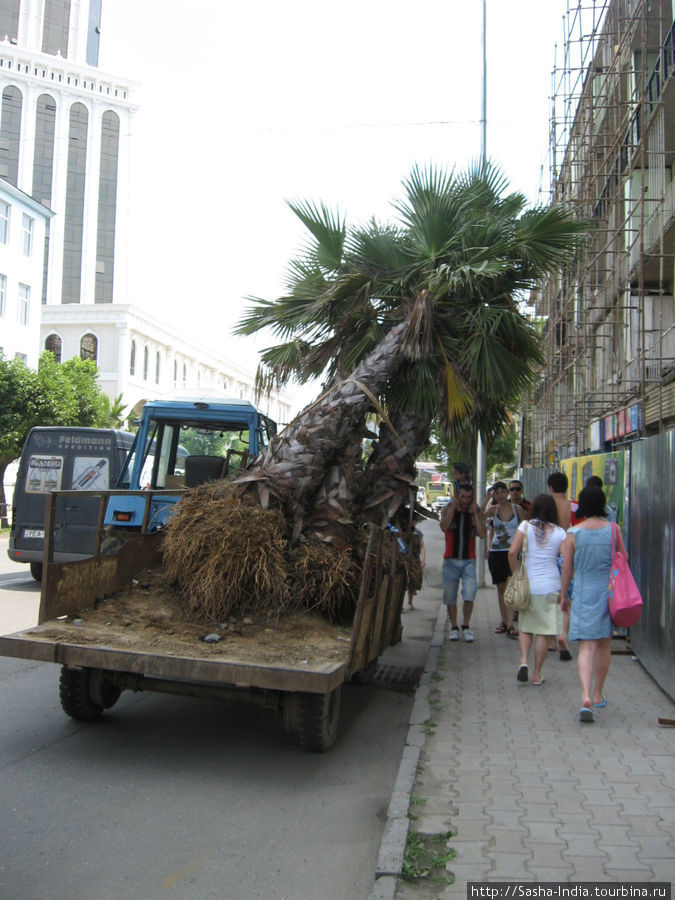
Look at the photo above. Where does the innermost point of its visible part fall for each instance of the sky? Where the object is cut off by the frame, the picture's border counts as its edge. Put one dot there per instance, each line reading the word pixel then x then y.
pixel 243 106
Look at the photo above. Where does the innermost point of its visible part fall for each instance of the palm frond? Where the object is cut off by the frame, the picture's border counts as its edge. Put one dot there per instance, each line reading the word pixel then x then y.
pixel 328 230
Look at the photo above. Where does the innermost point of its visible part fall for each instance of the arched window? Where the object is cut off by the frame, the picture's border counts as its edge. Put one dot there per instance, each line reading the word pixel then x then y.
pixel 175 372
pixel 184 375
pixel 89 347
pixel 10 133
pixel 53 344
pixel 146 363
pixel 74 215
pixel 132 358
pixel 158 366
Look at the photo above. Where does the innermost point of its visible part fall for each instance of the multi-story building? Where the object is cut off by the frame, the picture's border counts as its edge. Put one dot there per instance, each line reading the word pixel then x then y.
pixel 65 131
pixel 608 321
pixel 23 225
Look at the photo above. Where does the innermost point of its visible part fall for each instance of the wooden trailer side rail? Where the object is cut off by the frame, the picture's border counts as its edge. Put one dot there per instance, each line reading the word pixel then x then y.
pixel 378 610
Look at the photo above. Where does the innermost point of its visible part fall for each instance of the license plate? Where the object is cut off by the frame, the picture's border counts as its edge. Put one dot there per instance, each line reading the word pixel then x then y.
pixel 34 533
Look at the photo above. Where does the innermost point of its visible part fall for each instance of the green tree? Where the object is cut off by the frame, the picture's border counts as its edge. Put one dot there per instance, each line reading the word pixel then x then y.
pixel 55 394
pixel 419 319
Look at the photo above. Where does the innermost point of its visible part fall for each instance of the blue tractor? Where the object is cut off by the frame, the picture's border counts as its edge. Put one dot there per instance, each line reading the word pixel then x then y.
pixel 181 444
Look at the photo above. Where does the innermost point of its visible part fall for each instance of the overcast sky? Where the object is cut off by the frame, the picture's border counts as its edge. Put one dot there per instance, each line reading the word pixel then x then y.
pixel 246 105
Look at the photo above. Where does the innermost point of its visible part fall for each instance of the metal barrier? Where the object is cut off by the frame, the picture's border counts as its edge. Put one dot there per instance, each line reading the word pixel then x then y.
pixel 534 481
pixel 651 549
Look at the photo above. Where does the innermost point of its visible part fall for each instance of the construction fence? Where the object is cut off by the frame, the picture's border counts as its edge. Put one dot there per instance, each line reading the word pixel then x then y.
pixel 644 479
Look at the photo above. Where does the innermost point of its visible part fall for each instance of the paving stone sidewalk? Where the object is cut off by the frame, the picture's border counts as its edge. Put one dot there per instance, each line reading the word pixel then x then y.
pixel 529 793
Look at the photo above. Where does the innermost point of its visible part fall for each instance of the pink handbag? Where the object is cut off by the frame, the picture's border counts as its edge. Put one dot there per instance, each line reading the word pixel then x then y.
pixel 625 602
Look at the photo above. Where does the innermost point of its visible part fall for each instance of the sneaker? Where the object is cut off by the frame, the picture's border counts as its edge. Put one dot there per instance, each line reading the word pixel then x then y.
pixel 454 635
pixel 467 634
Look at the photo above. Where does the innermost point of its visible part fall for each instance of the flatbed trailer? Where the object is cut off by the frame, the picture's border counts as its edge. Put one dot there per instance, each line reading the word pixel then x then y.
pixel 103 653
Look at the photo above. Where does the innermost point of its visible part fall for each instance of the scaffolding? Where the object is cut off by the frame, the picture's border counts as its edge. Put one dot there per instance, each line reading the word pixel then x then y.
pixel 608 320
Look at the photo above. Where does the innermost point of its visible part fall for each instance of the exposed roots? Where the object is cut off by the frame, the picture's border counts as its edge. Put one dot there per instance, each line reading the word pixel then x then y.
pixel 326 579
pixel 225 555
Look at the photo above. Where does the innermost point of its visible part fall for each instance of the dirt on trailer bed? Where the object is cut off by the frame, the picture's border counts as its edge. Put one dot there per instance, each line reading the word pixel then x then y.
pixel 148 616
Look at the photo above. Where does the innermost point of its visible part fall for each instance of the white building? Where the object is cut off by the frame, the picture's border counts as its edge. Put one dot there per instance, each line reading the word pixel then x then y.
pixel 65 141
pixel 23 224
pixel 143 359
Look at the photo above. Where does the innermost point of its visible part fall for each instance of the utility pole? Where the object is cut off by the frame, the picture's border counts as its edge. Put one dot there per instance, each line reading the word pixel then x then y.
pixel 481 452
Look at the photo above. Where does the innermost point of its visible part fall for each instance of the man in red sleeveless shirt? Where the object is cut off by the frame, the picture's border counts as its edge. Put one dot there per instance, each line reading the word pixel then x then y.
pixel 462 523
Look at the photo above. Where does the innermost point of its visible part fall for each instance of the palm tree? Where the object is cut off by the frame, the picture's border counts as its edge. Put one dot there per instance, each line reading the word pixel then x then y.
pixel 419 320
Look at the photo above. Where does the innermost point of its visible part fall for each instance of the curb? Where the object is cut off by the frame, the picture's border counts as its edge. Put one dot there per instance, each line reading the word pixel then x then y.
pixel 392 846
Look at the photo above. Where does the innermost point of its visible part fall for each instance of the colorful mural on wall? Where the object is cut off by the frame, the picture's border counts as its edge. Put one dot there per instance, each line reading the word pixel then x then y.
pixel 613 468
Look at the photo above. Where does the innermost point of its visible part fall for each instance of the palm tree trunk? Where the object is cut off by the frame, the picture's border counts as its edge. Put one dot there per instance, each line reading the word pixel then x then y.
pixel 391 471
pixel 297 461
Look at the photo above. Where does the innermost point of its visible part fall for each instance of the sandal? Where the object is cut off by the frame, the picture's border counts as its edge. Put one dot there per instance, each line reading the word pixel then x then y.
pixel 512 632
pixel 501 629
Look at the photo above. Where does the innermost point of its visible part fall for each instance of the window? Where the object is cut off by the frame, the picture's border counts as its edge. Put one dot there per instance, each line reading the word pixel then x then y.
pixel 27 235
pixel 9 20
pixel 158 365
pixel 146 360
pixel 55 29
pixel 10 133
pixel 4 221
pixel 175 372
pixel 73 219
pixel 53 344
pixel 107 204
pixel 89 347
pixel 24 304
pixel 132 358
pixel 43 167
pixel 184 374
pixel 3 294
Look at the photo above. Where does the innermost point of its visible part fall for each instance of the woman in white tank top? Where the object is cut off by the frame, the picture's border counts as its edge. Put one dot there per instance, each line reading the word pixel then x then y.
pixel 543 616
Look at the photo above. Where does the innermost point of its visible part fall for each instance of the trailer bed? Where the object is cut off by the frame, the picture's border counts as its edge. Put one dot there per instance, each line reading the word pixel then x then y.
pixel 142 631
pixel 114 623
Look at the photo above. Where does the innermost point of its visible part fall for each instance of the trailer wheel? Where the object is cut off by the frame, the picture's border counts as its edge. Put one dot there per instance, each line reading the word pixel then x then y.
pixel 367 675
pixel 79 687
pixel 36 570
pixel 319 719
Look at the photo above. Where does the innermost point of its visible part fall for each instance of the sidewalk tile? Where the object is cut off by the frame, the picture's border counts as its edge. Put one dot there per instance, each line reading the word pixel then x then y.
pixel 549 873
pixel 583 846
pixel 509 865
pixel 614 834
pixel 655 847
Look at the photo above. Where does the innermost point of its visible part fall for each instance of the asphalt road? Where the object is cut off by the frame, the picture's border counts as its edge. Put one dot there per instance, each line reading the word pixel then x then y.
pixel 172 797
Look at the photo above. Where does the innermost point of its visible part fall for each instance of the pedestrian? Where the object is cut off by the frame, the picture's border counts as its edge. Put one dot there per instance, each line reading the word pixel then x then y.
pixel 596 481
pixel 461 476
pixel 418 560
pixel 462 523
pixel 516 496
pixel 567 510
pixel 505 518
pixel 587 552
pixel 543 616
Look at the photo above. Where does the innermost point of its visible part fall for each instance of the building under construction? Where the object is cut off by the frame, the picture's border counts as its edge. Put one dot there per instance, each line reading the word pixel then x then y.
pixel 608 322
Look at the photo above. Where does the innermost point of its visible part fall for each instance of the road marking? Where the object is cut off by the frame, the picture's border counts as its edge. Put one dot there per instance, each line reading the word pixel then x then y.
pixel 182 873
pixel 15 579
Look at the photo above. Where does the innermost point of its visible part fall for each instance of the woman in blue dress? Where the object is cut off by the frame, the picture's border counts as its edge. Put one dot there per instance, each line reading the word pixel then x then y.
pixel 587 552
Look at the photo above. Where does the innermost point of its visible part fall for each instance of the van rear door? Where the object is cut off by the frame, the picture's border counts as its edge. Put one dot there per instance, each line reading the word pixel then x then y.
pixel 83 459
